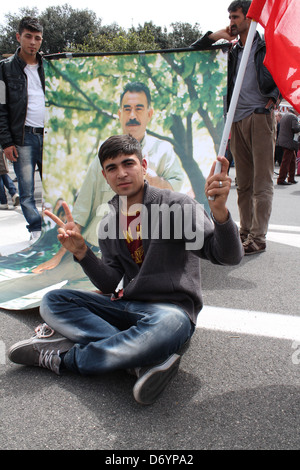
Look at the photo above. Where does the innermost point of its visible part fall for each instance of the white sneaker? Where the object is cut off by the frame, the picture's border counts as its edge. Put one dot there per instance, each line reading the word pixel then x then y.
pixel 34 236
pixel 3 206
pixel 16 199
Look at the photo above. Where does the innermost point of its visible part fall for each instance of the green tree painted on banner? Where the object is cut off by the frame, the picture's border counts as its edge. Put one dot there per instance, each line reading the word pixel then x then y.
pixel 83 93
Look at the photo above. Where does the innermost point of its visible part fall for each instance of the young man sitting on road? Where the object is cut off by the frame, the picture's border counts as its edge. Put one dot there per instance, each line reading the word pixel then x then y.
pixel 148 279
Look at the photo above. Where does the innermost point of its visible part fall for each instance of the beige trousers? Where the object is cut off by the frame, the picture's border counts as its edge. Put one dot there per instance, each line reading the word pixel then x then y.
pixel 252 145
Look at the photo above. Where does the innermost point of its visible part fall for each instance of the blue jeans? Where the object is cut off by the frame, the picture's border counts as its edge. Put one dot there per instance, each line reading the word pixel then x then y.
pixel 111 335
pixel 5 180
pixel 30 156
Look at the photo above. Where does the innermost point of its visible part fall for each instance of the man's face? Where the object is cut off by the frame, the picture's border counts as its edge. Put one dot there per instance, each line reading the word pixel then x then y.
pixel 30 42
pixel 134 114
pixel 125 175
pixel 238 22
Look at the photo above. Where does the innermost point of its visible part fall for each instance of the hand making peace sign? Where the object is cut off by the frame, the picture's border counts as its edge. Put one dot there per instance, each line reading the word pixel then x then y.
pixel 68 233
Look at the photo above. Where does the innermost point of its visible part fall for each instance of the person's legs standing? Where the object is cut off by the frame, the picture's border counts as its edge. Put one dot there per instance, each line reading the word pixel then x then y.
pixel 263 146
pixel 3 197
pixel 240 144
pixel 285 165
pixel 29 155
pixel 252 145
pixel 292 169
pixel 8 182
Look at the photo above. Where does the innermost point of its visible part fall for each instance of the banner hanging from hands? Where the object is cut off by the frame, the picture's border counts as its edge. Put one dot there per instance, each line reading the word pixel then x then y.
pixel 181 130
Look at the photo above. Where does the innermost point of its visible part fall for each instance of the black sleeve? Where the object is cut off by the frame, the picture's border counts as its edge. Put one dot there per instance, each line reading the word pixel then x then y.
pixel 203 43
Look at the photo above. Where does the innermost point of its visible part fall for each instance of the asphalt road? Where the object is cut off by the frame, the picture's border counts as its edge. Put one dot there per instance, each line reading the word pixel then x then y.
pixel 238 385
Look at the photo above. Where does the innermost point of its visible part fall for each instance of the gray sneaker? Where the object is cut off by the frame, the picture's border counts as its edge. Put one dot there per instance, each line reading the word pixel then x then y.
pixel 152 381
pixel 43 349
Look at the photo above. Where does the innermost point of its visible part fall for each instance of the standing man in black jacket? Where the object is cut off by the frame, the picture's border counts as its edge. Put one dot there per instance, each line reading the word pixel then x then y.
pixel 22 108
pixel 253 132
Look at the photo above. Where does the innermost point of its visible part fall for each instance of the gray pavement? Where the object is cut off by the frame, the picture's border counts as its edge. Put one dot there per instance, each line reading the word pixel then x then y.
pixel 238 386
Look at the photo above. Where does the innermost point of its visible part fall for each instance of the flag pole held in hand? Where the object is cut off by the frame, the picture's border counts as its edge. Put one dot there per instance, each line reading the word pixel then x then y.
pixel 235 95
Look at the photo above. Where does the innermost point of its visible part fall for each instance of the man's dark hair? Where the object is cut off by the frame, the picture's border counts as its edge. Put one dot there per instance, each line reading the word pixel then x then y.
pixel 136 87
pixel 30 23
pixel 119 145
pixel 243 4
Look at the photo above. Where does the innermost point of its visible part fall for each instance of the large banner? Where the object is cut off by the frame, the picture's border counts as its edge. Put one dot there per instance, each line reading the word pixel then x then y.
pixel 172 101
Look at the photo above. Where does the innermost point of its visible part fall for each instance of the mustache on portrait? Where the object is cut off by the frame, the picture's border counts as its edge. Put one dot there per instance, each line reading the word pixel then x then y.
pixel 133 122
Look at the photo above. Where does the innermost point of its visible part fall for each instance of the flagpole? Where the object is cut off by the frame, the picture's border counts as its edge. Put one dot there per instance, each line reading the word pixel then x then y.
pixel 236 92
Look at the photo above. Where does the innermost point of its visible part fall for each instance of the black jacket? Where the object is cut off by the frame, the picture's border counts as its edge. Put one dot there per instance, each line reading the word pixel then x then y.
pixel 267 86
pixel 289 126
pixel 14 99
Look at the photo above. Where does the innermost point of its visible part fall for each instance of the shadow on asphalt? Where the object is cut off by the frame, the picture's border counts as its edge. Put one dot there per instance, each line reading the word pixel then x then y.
pixel 263 417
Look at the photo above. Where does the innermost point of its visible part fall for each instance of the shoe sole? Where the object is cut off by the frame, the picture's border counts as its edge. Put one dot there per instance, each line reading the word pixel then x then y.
pixel 148 388
pixel 256 252
pixel 16 352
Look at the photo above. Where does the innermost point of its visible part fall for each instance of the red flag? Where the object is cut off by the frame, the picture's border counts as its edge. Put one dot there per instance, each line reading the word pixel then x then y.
pixel 281 20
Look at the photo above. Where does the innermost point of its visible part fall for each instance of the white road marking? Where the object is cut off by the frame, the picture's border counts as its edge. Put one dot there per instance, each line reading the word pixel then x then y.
pixel 283 234
pixel 250 322
pixel 255 323
pixel 290 239
pixel 284 228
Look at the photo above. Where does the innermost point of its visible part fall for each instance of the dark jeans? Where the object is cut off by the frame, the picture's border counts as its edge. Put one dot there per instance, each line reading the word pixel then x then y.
pixel 6 181
pixel 30 156
pixel 111 335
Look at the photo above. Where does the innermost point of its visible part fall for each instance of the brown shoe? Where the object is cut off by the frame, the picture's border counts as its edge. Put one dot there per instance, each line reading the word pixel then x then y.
pixel 251 247
pixel 243 237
